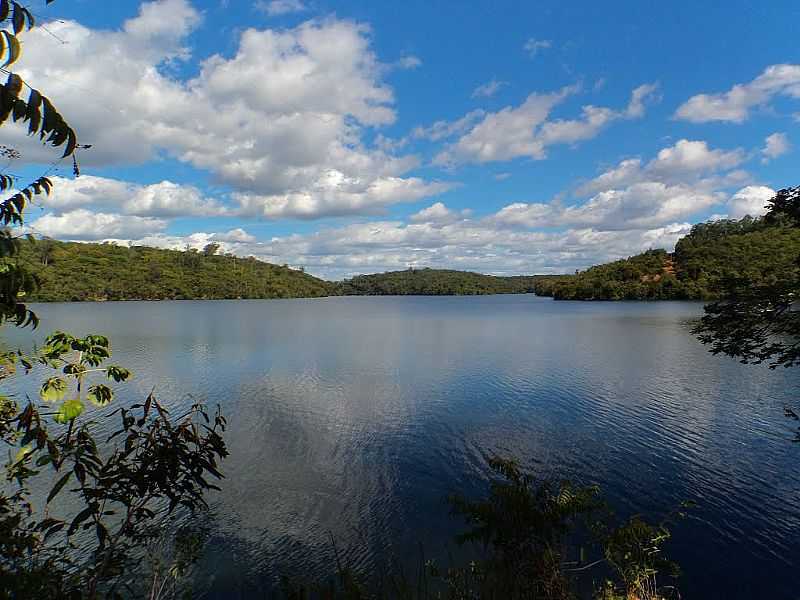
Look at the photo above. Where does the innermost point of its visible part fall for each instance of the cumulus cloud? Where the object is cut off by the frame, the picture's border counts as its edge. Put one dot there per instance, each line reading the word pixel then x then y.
pixel 533 46
pixel 471 244
pixel 525 131
pixel 686 160
pixel 775 145
pixel 682 181
pixel 287 109
pixel 639 206
pixel 736 104
pixel 527 214
pixel 164 199
pixel 488 89
pixel 234 235
pixel 438 213
pixel 82 224
pixel 338 198
pixel 751 200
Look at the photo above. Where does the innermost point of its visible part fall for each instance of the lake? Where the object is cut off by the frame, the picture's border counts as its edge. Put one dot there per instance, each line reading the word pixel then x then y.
pixel 355 417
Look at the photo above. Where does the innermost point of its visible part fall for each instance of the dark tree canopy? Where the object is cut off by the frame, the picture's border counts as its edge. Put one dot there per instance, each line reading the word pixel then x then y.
pixel 758 321
pixel 759 252
pixel 432 282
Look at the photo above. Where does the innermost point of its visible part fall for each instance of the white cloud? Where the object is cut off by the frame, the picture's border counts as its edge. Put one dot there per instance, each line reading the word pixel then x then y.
pixel 338 196
pixel 82 224
pixel 639 206
pixel 234 235
pixel 438 213
pixel 639 99
pixel 280 7
pixel 751 200
pixel 288 108
pixel 628 171
pixel 527 215
pixel 477 245
pixel 488 89
pixel 532 46
pixel 506 134
pixel 775 145
pixel 735 104
pixel 164 199
pixel 525 131
pixel 683 180
pixel 684 161
pixel 435 212
pixel 688 157
pixel 441 130
pixel 409 62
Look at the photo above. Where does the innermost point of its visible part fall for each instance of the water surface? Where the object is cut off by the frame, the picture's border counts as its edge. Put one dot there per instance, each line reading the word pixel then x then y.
pixel 355 417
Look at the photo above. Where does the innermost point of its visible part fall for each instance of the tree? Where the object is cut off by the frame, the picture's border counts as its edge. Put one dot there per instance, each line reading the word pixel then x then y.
pixel 759 321
pixel 45 249
pixel 152 465
pixel 44 121
pixel 210 249
pixel 123 490
pixel 538 537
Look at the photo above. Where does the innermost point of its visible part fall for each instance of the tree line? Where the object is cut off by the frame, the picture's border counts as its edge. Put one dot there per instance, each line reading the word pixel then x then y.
pixel 433 282
pixel 124 488
pixel 704 263
pixel 71 271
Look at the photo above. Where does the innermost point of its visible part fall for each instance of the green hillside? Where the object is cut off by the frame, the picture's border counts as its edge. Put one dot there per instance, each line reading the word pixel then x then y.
pixel 703 261
pixel 74 272
pixel 712 254
pixel 433 282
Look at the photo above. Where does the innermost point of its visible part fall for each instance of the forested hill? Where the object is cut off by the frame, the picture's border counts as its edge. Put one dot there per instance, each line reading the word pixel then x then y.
pixel 433 282
pixel 72 272
pixel 703 261
pixel 713 254
pixel 69 271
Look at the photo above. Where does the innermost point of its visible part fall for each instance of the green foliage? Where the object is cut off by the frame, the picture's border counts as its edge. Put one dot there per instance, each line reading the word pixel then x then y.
pixel 172 561
pixel 634 551
pixel 154 465
pixel 705 262
pixel 432 282
pixel 758 320
pixel 151 464
pixel 43 120
pixel 642 277
pixel 118 490
pixel 524 524
pixel 533 540
pixel 83 272
pixel 68 271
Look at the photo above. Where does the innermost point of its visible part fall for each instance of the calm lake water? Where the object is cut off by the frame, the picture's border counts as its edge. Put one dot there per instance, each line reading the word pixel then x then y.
pixel 355 417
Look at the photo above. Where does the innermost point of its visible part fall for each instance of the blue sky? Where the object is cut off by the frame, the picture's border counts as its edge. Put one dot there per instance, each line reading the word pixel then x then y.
pixel 352 137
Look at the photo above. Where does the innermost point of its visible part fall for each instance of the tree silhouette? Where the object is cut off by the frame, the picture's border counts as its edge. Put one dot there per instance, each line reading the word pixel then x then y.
pixel 760 322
